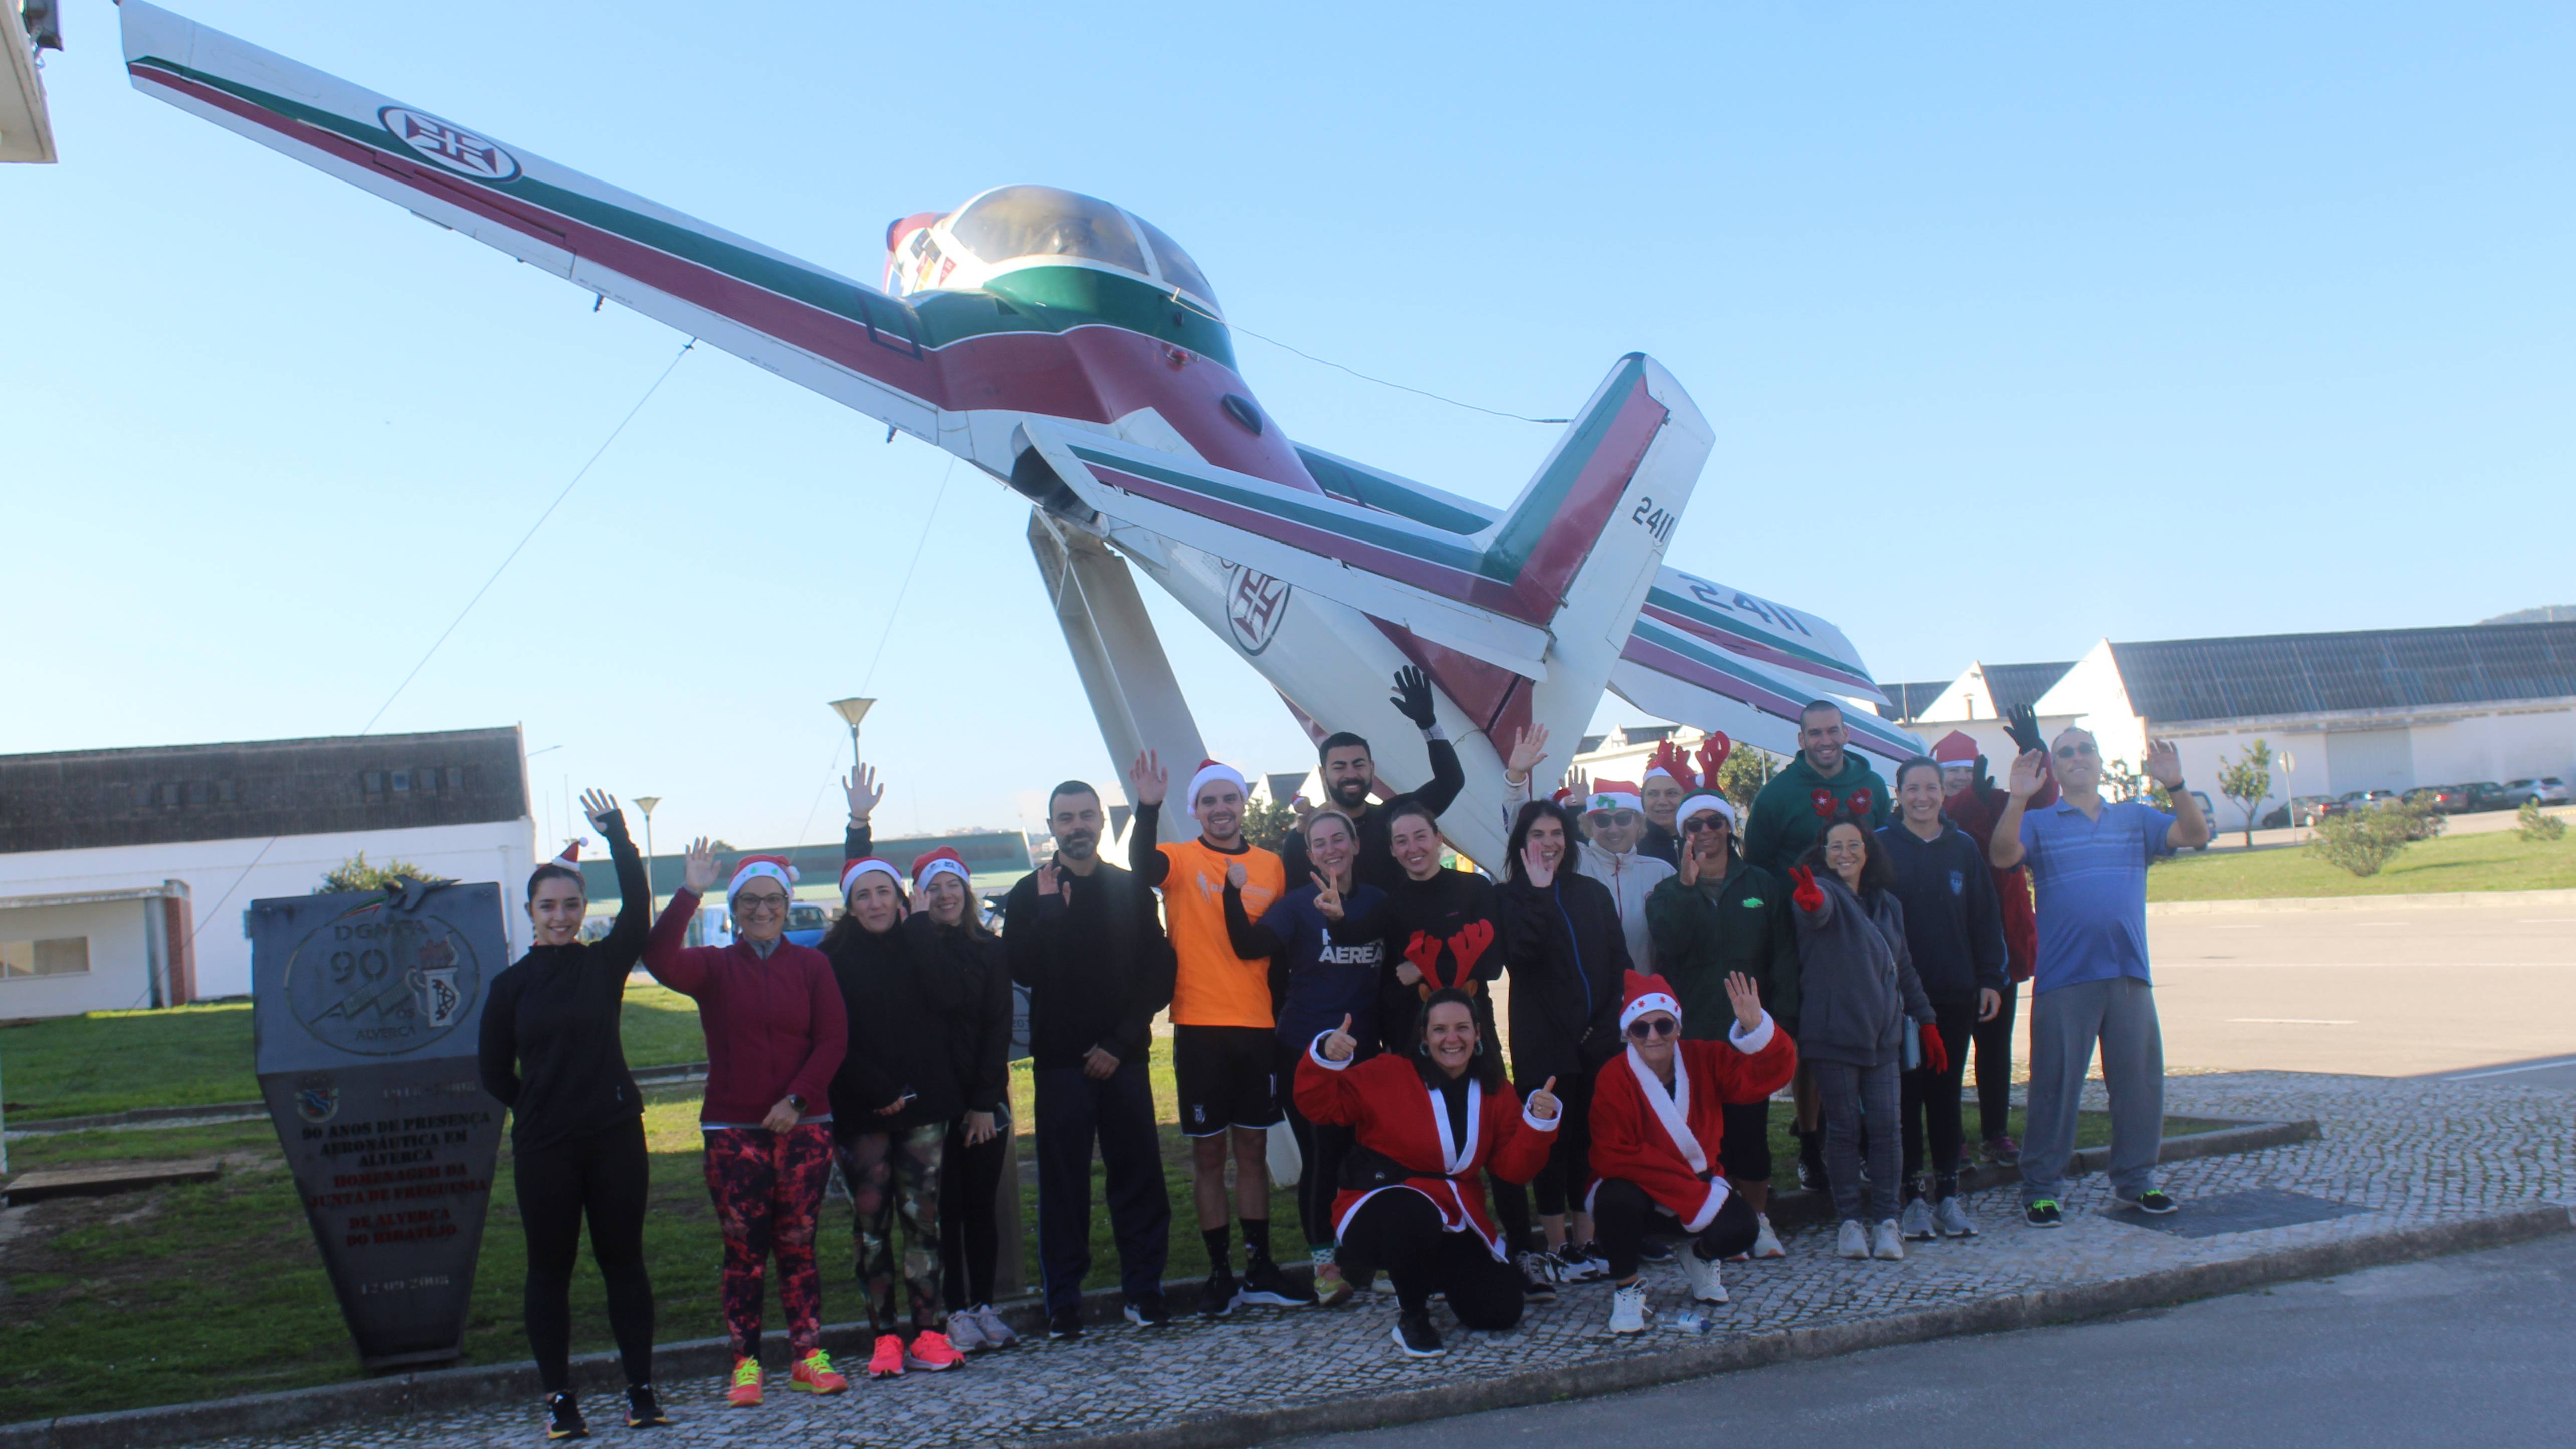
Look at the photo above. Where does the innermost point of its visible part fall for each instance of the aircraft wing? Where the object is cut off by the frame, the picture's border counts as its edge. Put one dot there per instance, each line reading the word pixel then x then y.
pixel 841 338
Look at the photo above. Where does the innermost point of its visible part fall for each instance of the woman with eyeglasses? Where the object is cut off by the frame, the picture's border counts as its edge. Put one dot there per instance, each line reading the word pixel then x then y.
pixel 1856 992
pixel 1566 955
pixel 1659 1130
pixel 1427 1122
pixel 776 1032
pixel 1722 917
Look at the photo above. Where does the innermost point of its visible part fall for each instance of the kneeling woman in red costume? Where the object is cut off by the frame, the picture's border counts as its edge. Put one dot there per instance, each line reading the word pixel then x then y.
pixel 1657 1122
pixel 1412 1202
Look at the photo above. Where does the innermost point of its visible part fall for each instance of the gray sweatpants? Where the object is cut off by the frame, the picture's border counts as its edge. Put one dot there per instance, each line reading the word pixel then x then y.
pixel 2064 1025
pixel 1853 1100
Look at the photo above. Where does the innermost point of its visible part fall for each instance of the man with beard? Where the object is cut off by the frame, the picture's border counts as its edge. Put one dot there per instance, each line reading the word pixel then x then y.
pixel 1826 779
pixel 1349 774
pixel 1083 937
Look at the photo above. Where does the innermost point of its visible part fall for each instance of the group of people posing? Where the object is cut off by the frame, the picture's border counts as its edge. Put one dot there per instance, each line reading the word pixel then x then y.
pixel 1665 980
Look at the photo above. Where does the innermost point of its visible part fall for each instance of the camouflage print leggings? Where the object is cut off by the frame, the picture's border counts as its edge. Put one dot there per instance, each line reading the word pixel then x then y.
pixel 768 1192
pixel 887 1171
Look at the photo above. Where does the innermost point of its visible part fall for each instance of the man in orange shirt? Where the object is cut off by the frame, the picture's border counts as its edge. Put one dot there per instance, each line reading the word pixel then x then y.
pixel 1223 1054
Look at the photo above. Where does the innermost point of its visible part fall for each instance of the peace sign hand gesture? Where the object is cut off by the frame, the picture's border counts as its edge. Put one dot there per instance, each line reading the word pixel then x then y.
pixel 699 872
pixel 1328 897
pixel 1543 1104
pixel 1339 1044
pixel 602 809
pixel 864 792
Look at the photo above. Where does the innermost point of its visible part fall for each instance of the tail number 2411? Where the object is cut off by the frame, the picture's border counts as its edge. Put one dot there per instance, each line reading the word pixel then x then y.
pixel 1655 521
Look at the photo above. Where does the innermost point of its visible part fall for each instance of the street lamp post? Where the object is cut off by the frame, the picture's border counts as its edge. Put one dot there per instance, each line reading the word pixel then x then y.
pixel 851 712
pixel 2289 793
pixel 652 897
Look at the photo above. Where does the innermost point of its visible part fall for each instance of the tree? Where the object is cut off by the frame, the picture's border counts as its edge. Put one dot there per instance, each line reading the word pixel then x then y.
pixel 1268 825
pixel 1742 777
pixel 354 874
pixel 2246 781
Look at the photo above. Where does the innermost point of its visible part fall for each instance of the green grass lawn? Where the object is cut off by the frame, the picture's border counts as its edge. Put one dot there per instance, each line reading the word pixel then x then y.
pixel 79 1066
pixel 2498 861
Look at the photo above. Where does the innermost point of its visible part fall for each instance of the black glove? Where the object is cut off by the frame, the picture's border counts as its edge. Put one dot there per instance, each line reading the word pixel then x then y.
pixel 1985 779
pixel 1413 697
pixel 2022 723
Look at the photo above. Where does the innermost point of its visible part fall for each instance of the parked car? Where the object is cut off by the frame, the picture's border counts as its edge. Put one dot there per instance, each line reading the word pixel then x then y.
pixel 2446 799
pixel 2548 790
pixel 807 921
pixel 2485 795
pixel 2314 808
pixel 2371 799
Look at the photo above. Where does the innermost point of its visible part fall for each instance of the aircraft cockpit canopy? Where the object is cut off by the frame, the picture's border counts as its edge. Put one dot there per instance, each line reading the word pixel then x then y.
pixel 1019 223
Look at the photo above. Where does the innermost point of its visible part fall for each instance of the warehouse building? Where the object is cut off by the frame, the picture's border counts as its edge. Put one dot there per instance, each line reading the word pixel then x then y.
pixel 124 873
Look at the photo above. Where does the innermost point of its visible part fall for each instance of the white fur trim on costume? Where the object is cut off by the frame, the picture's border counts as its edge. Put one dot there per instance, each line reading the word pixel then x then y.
pixel 1315 1054
pixel 753 870
pixel 1701 805
pixel 1212 770
pixel 1749 1042
pixel 940 868
pixel 1457 1157
pixel 1543 1124
pixel 1707 1213
pixel 1671 1108
pixel 1651 1001
pixel 850 873
pixel 1611 800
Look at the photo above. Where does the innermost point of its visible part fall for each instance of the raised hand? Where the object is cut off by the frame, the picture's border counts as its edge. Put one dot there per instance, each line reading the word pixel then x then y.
pixel 1541 872
pixel 1328 897
pixel 2029 772
pixel 1936 1056
pixel 2021 722
pixel 1746 998
pixel 1339 1043
pixel 1413 697
pixel 1689 869
pixel 601 807
pixel 2164 763
pixel 1543 1103
pixel 1234 874
pixel 1529 746
pixel 864 792
pixel 1054 882
pixel 1805 894
pixel 699 871
pixel 1147 780
pixel 1579 784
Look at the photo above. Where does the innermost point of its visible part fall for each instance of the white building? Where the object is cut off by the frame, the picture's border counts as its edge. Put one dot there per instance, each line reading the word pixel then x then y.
pixel 124 873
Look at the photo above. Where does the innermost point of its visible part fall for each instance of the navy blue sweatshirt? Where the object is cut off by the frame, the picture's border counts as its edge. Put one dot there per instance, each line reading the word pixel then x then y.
pixel 1953 923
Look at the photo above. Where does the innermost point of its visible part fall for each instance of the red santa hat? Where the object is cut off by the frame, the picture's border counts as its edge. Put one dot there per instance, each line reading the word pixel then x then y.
pixel 943 861
pixel 1704 804
pixel 1210 770
pixel 752 867
pixel 569 860
pixel 1611 795
pixel 1642 994
pixel 851 873
pixel 1954 750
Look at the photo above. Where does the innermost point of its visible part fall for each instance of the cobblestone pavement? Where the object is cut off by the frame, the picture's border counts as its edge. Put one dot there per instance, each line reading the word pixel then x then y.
pixel 2405 1153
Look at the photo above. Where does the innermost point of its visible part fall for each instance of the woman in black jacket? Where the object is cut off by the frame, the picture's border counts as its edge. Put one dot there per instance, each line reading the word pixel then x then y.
pixel 1566 954
pixel 550 1053
pixel 896 1093
pixel 970 1241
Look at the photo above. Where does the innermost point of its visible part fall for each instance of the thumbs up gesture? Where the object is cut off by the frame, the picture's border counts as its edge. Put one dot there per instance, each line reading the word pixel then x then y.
pixel 1543 1103
pixel 1339 1043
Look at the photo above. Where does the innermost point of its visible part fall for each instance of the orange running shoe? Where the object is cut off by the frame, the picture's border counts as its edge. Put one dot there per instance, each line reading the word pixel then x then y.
pixel 813 1374
pixel 886 1360
pixel 745 1393
pixel 932 1352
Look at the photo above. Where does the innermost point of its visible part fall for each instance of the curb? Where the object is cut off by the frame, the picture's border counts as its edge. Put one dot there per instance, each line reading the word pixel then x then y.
pixel 2449 901
pixel 234 1111
pixel 1996 1315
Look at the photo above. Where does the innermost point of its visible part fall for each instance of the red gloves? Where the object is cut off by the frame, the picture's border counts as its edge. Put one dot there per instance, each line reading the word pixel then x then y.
pixel 1805 894
pixel 1936 1057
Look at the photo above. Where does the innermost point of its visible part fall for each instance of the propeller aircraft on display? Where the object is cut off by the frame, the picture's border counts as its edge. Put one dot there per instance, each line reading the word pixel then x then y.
pixel 1075 353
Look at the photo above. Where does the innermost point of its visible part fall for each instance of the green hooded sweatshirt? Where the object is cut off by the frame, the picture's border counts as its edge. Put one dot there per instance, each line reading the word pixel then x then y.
pixel 1785 821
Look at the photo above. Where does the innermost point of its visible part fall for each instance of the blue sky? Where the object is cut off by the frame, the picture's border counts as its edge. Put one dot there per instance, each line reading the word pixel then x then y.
pixel 2020 327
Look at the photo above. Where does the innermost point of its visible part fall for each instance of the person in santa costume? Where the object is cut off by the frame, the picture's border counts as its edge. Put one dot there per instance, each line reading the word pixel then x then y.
pixel 1426 1122
pixel 1973 803
pixel 1658 1129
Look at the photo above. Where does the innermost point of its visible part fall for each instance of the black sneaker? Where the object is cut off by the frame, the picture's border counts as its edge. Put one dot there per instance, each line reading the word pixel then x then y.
pixel 643 1410
pixel 2043 1214
pixel 1538 1278
pixel 1811 1172
pixel 1217 1295
pixel 1149 1313
pixel 1414 1336
pixel 1263 1283
pixel 1655 1250
pixel 563 1419
pixel 1066 1323
pixel 2153 1200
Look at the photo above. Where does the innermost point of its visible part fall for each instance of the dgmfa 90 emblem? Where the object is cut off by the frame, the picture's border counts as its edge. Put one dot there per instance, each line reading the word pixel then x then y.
pixel 452 147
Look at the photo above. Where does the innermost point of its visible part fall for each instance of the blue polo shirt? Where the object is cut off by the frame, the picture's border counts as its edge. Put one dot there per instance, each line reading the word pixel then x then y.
pixel 2089 878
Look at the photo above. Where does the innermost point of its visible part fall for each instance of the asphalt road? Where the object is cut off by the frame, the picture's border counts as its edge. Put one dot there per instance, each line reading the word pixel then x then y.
pixel 2465 1350
pixel 2369 989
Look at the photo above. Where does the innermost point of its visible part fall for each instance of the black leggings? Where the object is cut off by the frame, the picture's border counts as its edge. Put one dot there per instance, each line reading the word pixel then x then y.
pixel 1623 1214
pixel 970 1231
pixel 1994 1068
pixel 603 1176
pixel 1935 1099
pixel 1569 1163
pixel 1323 1147
pixel 1397 1232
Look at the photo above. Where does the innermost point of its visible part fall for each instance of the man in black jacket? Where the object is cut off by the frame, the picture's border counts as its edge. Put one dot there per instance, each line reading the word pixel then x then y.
pixel 1954 928
pixel 1350 773
pixel 1084 939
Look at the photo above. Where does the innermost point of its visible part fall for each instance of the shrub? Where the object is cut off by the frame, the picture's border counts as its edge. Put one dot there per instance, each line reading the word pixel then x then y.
pixel 2416 820
pixel 2362 841
pixel 357 874
pixel 2535 827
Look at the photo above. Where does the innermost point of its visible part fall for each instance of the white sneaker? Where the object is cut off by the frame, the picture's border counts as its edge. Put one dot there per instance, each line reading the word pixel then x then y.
pixel 1888 1243
pixel 965 1333
pixel 1951 1217
pixel 1705 1284
pixel 1628 1308
pixel 997 1334
pixel 1918 1221
pixel 1766 1243
pixel 1853 1241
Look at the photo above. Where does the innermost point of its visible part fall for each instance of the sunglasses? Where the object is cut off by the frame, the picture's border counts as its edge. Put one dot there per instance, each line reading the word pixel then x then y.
pixel 1704 824
pixel 2076 750
pixel 1648 1028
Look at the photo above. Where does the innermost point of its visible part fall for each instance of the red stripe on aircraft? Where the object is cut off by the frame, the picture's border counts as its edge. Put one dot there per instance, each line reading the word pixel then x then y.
pixel 1560 551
